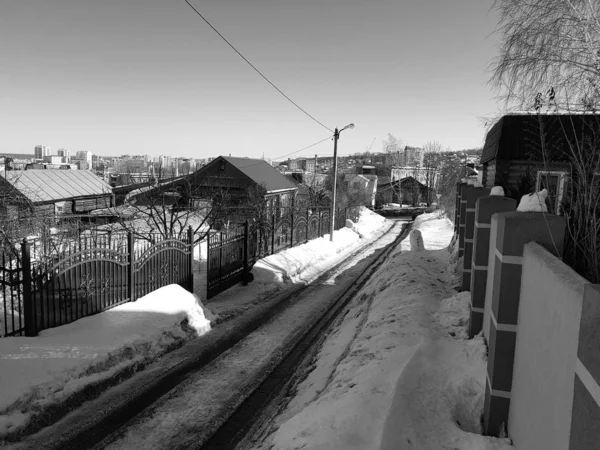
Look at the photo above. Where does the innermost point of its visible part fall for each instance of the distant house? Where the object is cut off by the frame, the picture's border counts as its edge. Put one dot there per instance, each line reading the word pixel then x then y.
pixel 512 156
pixel 238 177
pixel 363 185
pixel 406 191
pixel 425 175
pixel 54 192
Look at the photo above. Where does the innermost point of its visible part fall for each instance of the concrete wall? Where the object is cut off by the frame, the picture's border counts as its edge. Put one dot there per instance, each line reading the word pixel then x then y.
pixel 546 352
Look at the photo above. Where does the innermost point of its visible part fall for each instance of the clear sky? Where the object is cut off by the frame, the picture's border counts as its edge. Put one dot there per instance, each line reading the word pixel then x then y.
pixel 150 77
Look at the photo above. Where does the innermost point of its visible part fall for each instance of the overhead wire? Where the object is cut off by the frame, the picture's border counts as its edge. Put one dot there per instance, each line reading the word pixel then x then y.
pixel 257 71
pixel 292 153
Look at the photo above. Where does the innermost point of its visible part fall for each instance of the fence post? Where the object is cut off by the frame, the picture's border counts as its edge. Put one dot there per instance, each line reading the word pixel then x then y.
pixel 307 225
pixel 457 207
pixel 292 230
pixel 471 198
pixel 273 234
pixel 28 301
pixel 510 231
pixel 585 415
pixel 130 280
pixel 462 218
pixel 220 258
pixel 191 261
pixel 484 208
pixel 245 276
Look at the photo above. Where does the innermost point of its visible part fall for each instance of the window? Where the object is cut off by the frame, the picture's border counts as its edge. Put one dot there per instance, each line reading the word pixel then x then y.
pixel 554 181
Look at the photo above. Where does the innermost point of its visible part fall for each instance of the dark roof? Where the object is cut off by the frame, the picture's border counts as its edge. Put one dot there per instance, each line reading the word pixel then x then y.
pixel 383 180
pixel 41 186
pixel 517 136
pixel 261 172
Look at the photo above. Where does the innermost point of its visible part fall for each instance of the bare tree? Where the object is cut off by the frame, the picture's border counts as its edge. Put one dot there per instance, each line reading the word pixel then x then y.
pixel 168 209
pixel 549 53
pixel 550 56
pixel 392 147
pixel 431 168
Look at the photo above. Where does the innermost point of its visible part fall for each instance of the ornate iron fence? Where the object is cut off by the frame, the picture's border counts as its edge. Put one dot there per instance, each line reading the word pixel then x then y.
pixel 11 292
pixel 77 278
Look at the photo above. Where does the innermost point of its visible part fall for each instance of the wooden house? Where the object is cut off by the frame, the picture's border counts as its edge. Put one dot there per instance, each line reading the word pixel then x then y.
pixel 405 191
pixel 239 178
pixel 53 192
pixel 527 152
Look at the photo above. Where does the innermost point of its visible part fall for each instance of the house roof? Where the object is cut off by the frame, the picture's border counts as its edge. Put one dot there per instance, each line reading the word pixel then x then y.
pixel 41 186
pixel 517 136
pixel 261 172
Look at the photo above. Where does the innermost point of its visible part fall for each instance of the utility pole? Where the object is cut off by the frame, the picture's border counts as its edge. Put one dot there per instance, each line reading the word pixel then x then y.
pixel 336 136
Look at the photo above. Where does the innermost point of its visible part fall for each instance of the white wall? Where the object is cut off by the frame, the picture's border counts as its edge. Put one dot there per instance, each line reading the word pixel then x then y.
pixel 546 352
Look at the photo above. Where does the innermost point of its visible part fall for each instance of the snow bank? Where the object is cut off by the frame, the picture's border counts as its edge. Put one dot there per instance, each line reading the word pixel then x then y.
pixel 301 264
pixel 439 398
pixel 454 313
pixel 44 371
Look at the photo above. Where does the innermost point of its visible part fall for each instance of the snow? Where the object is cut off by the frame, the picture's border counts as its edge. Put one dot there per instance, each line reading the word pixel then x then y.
pixel 40 372
pixel 397 370
pixel 535 202
pixel 47 369
pixel 497 190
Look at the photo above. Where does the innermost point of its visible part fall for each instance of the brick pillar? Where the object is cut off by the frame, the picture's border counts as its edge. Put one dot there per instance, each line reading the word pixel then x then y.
pixel 459 185
pixel 510 232
pixel 484 208
pixel 585 419
pixel 462 218
pixel 471 197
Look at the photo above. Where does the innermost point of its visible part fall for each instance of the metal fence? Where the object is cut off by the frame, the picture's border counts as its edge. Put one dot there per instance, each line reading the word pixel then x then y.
pixel 56 283
pixel 11 291
pixel 46 283
pixel 232 252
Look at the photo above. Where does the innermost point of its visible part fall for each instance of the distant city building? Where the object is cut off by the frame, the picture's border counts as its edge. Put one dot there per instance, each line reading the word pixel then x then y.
pixel 413 156
pixel 64 154
pixel 130 165
pixel 82 164
pixel 41 150
pixel 53 159
pixel 84 155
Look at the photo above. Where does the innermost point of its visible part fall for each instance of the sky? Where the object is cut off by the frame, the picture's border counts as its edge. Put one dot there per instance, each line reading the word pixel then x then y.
pixel 151 77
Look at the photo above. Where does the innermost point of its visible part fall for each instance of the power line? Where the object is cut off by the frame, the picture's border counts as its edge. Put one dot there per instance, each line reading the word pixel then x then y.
pixel 302 149
pixel 257 71
pixel 293 153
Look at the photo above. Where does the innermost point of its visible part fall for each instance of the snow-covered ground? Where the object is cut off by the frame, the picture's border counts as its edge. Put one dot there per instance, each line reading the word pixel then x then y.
pixel 42 372
pixel 47 369
pixel 397 371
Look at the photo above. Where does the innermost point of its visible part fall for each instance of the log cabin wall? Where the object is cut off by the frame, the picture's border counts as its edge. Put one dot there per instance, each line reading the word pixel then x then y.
pixel 517 176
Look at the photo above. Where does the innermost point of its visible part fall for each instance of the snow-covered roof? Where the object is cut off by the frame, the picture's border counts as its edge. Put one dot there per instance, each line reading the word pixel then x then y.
pixel 41 186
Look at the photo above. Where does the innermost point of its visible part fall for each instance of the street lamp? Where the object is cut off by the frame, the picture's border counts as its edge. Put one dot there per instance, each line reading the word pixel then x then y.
pixel 336 136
